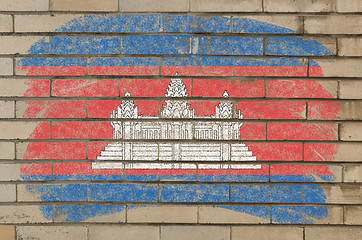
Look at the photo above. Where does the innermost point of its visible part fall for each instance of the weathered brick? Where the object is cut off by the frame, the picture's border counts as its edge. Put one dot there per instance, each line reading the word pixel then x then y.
pixel 51 150
pixel 52 192
pixel 333 24
pixel 126 232
pixel 84 5
pixel 25 130
pixel 7 232
pixel 7 150
pixel 7 192
pixel 352 6
pixel 351 131
pixel 161 214
pixel 350 46
pixel 24 214
pixel 301 88
pixel 154 5
pixel 7 109
pixel 333 110
pixel 300 46
pixel 6 23
pixel 305 173
pixel 20 5
pixel 226 6
pixel 22 45
pixel 48 23
pixel 285 215
pixel 266 233
pixel 335 194
pixel 94 213
pixel 288 24
pixel 299 6
pixel 194 232
pixel 227 214
pixel 52 232
pixel 51 109
pixel 272 109
pixel 302 131
pixel 350 89
pixel 9 172
pixel 353 173
pixel 6 66
pixel 344 152
pixel 85 88
pixel 352 215
pixel 333 233
pixel 24 87
pixel 337 68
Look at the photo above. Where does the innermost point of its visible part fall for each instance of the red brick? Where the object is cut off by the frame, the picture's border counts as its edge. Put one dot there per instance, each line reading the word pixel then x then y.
pixel 37 88
pixel 82 130
pixel 277 151
pixel 51 150
pixel 148 87
pixel 300 89
pixel 103 108
pixel 51 109
pixel 235 88
pixel 323 110
pixel 94 149
pixel 85 88
pixel 272 109
pixel 302 131
pixel 42 131
pixel 253 131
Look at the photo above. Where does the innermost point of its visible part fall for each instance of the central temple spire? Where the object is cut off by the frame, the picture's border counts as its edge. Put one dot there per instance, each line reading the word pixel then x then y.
pixel 176 88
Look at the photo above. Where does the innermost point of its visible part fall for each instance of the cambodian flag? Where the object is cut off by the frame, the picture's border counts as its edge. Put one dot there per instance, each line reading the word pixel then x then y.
pixel 90 76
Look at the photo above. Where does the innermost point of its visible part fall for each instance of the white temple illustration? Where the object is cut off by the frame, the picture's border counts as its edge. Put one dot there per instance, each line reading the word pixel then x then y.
pixel 191 129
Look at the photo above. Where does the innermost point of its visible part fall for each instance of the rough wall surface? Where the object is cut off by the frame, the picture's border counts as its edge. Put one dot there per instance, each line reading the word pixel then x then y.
pixel 180 119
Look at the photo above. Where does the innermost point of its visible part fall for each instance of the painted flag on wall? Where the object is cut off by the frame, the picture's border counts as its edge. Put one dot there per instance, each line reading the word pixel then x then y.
pixel 148 119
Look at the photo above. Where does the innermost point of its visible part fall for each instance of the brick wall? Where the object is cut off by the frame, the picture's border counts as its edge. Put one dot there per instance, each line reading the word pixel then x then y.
pixel 292 68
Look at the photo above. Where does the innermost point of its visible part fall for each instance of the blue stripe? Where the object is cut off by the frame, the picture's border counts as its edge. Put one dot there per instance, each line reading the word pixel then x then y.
pixel 59 192
pixel 315 64
pixel 245 25
pixel 188 24
pixel 156 44
pixel 298 214
pixel 259 193
pixel 233 178
pixel 36 177
pixel 40 47
pixel 75 25
pixel 88 177
pixel 122 23
pixel 161 177
pixel 113 62
pixel 123 192
pixel 313 193
pixel 198 61
pixel 228 45
pixel 295 46
pixel 194 193
pixel 77 213
pixel 85 45
pixel 301 178
pixel 275 62
pixel 52 62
